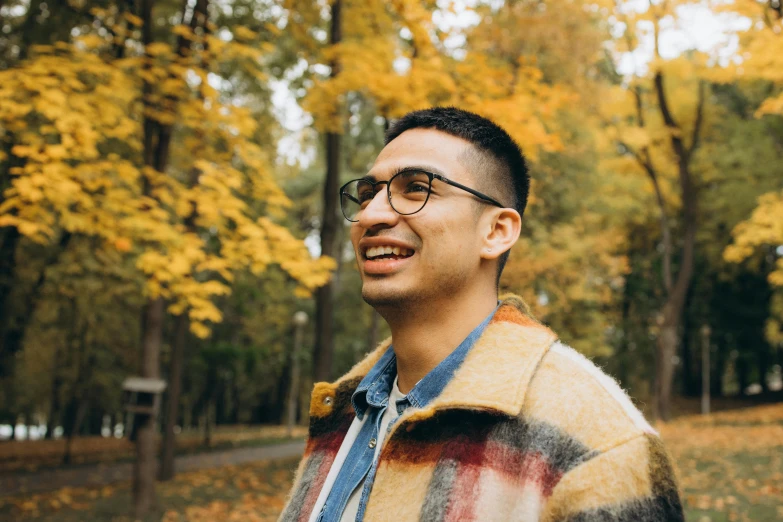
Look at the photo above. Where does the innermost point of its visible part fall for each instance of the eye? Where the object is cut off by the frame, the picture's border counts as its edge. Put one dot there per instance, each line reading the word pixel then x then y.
pixel 366 195
pixel 411 184
pixel 364 192
pixel 417 186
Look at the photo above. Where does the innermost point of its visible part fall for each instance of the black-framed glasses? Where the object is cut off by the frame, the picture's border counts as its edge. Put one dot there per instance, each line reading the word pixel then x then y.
pixel 408 192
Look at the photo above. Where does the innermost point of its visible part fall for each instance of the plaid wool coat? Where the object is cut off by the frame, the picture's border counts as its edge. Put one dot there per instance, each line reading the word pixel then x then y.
pixel 527 430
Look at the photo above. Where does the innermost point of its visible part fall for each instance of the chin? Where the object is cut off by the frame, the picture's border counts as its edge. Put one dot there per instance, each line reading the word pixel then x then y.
pixel 377 296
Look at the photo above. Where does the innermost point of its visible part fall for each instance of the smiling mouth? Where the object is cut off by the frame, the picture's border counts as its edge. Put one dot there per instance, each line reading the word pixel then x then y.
pixel 383 253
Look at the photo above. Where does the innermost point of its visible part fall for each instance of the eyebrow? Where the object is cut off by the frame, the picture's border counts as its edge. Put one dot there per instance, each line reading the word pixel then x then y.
pixel 426 168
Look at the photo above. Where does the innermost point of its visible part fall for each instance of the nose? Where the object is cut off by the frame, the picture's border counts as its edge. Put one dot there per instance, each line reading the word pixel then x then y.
pixel 378 213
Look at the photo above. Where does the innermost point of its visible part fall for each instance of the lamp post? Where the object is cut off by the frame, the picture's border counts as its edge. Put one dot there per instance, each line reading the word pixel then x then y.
pixel 705 369
pixel 299 320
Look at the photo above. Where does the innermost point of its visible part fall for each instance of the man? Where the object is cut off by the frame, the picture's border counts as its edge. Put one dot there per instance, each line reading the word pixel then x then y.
pixel 472 410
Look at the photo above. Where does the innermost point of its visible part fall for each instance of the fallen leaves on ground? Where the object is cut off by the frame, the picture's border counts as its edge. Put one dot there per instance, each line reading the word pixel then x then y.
pixel 730 467
pixel 249 493
pixel 730 464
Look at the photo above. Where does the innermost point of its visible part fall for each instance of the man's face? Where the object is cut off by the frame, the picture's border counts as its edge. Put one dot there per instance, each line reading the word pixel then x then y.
pixel 443 235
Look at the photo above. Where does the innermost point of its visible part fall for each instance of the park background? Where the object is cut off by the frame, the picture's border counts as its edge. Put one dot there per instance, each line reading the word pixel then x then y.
pixel 168 210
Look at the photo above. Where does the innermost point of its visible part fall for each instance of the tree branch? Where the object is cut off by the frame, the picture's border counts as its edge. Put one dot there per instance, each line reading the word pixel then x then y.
pixel 639 109
pixel 668 119
pixel 666 236
pixel 698 121
pixel 689 201
pixel 675 132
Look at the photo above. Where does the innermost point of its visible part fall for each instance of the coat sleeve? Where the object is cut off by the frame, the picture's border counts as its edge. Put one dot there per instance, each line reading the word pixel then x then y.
pixel 631 482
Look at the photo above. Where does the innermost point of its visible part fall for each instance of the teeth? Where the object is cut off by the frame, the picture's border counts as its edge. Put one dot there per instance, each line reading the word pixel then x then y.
pixel 382 250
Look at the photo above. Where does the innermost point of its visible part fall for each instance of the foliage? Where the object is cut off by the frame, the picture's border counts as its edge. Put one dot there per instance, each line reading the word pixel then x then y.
pixel 70 117
pixel 764 227
pixel 763 46
pixel 221 231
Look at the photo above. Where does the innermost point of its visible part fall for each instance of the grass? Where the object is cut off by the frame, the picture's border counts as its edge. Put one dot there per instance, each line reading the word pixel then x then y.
pixel 729 464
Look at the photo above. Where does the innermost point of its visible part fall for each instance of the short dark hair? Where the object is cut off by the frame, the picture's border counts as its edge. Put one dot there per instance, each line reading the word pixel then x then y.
pixel 494 152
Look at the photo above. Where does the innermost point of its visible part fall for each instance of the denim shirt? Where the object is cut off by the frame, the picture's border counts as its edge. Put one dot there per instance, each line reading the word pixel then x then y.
pixel 371 399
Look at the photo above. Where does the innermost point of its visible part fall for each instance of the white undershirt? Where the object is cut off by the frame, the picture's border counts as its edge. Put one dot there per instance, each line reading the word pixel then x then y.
pixel 352 507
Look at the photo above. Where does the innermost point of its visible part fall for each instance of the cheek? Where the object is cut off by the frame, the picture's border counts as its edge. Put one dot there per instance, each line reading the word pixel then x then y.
pixel 451 238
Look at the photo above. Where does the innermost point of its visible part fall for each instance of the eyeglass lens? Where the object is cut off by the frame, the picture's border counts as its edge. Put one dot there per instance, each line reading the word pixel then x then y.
pixel 409 191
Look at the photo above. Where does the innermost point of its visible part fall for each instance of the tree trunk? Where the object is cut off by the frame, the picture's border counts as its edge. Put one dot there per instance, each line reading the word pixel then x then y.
pixel 324 312
pixel 671 315
pixel 208 416
pixel 219 401
pixel 187 413
pixel 55 406
pixel 78 409
pixel 152 318
pixel 716 377
pixel 293 393
pixel 762 362
pixel 743 374
pixel 275 408
pixel 666 349
pixel 672 312
pixel 167 470
pixel 157 140
pixel 28 28
pixel 174 389
pixel 144 466
pixel 11 239
pixel 691 362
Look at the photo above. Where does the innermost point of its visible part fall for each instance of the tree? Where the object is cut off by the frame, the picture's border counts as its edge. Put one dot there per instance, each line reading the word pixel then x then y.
pixel 658 139
pixel 762 47
pixel 89 167
pixel 570 260
pixel 761 233
pixel 324 311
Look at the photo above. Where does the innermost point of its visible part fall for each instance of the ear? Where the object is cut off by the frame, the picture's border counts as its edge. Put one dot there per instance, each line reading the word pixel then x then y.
pixel 501 231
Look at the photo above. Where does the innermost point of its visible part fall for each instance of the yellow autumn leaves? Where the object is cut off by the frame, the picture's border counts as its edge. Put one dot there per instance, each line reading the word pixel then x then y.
pixel 763 60
pixel 74 115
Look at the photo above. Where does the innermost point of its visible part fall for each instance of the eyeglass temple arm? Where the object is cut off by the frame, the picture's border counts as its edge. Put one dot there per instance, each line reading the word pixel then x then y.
pixel 349 196
pixel 474 192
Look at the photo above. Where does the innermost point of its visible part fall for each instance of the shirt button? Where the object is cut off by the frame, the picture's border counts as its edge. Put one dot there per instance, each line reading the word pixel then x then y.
pixel 372 443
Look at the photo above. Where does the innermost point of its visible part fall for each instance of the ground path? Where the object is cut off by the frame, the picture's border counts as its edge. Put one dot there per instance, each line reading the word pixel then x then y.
pixel 102 474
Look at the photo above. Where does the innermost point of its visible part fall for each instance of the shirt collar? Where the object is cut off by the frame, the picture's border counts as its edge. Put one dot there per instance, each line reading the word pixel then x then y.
pixel 375 387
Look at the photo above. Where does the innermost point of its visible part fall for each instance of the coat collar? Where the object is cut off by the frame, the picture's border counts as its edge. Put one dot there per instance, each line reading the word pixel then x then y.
pixel 495 374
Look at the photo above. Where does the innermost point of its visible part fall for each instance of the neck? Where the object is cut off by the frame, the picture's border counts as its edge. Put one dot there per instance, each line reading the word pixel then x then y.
pixel 425 334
